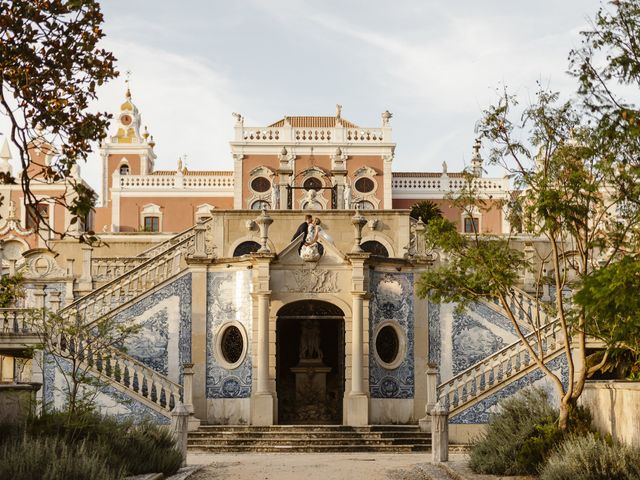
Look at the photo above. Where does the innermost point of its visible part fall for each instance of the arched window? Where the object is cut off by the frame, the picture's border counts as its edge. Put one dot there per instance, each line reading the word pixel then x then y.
pixel 245 248
pixel 312 183
pixel 260 205
pixel 375 248
pixel 124 169
pixel 365 205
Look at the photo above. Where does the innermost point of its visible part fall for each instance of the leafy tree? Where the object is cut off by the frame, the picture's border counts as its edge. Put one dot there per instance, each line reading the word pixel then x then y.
pixel 577 166
pixel 426 210
pixel 612 304
pixel 565 200
pixel 77 349
pixel 50 67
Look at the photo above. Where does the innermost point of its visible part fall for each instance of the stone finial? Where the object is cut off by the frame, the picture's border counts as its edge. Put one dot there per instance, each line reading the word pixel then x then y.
pixel 386 117
pixel 338 111
pixel 5 156
pixel 179 165
pixel 358 221
pixel 476 159
pixel 444 167
pixel 264 221
pixel 239 119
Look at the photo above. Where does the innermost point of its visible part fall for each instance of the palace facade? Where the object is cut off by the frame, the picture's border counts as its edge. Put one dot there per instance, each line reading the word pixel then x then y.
pixel 234 323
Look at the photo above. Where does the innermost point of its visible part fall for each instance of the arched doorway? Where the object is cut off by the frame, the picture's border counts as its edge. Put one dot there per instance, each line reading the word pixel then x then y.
pixel 310 363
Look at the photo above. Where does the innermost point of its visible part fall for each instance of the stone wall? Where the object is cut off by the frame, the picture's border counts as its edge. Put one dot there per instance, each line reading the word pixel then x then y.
pixel 615 408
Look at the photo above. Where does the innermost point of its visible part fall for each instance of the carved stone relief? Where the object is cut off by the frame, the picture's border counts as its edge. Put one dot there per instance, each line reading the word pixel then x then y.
pixel 318 280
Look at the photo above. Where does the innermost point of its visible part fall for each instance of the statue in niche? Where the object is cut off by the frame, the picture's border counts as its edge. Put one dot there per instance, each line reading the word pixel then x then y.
pixel 347 195
pixel 310 341
pixel 275 194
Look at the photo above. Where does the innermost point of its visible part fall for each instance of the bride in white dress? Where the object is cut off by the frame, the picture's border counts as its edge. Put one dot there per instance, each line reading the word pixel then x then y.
pixel 311 251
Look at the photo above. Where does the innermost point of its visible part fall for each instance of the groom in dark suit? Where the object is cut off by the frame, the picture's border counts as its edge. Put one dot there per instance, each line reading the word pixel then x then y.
pixel 303 229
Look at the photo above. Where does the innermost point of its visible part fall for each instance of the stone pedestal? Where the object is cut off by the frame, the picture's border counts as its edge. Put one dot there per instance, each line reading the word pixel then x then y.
pixel 263 409
pixel 311 376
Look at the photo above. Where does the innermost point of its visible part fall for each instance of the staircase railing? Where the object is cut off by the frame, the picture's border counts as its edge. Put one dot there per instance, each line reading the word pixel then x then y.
pixel 136 281
pixel 501 366
pixel 16 321
pixel 127 372
pixel 163 246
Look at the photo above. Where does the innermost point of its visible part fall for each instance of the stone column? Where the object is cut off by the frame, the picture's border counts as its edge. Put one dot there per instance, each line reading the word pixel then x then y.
pixel 263 400
pixel 357 411
pixel 356 343
pixel 198 339
pixel 263 342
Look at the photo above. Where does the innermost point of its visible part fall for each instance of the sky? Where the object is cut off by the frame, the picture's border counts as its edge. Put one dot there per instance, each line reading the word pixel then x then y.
pixel 434 64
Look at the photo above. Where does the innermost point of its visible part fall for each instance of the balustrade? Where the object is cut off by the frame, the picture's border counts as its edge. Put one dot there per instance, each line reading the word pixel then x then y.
pixel 16 321
pixel 499 367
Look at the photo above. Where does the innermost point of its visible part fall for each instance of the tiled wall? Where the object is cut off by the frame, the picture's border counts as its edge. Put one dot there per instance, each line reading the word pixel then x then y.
pixel 392 300
pixel 228 299
pixel 164 340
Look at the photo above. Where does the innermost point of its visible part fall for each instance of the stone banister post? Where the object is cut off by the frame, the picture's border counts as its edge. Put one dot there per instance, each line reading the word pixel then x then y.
pixel 68 294
pixel 440 432
pixel 187 393
pixel 180 429
pixel 39 296
pixel 200 250
pixel 432 385
pixel 86 280
pixel 54 300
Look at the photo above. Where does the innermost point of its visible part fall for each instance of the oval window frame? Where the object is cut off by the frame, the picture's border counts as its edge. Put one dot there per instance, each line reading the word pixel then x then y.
pixel 402 345
pixel 374 185
pixel 218 350
pixel 260 177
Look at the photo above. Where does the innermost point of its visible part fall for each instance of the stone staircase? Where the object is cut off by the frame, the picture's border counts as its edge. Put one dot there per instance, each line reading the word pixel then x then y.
pixel 509 364
pixel 309 438
pixel 112 366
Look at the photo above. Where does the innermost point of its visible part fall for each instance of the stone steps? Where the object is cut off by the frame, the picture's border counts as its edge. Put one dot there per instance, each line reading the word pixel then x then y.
pixel 310 438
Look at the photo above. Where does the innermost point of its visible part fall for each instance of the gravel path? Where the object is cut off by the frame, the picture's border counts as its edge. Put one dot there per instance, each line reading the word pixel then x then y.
pixel 317 466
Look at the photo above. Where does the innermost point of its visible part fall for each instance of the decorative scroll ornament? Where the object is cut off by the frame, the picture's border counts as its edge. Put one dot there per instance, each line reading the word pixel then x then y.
pixel 318 280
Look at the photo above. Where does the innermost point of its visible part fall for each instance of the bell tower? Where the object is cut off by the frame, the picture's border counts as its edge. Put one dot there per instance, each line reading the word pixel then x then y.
pixel 128 152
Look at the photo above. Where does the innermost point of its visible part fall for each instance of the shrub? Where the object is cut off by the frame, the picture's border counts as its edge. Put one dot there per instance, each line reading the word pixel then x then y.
pixel 53 459
pixel 518 438
pixel 589 457
pixel 137 449
pixel 145 448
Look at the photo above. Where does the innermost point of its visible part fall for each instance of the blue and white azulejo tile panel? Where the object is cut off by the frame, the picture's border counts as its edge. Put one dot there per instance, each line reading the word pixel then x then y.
pixel 479 413
pixel 107 399
pixel 228 300
pixel 164 340
pixel 458 340
pixel 392 303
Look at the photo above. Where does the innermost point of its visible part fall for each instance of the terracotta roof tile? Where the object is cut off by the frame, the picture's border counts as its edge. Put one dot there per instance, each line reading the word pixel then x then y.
pixel 313 122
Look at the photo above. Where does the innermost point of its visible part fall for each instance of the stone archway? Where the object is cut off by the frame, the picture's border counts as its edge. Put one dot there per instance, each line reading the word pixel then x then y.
pixel 310 363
